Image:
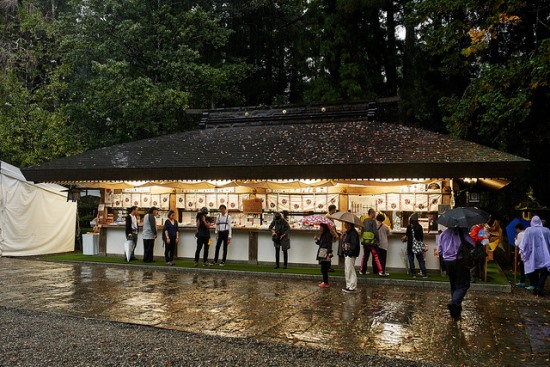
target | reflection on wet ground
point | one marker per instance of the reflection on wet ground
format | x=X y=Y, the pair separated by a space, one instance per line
x=497 y=329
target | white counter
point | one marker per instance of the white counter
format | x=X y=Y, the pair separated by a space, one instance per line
x=302 y=247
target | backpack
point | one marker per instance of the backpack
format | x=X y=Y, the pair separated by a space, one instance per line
x=367 y=238
x=469 y=255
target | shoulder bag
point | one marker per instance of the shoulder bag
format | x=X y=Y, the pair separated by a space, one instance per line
x=417 y=245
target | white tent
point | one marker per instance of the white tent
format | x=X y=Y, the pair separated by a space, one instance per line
x=35 y=219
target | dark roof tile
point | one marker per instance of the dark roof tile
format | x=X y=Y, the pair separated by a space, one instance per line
x=353 y=149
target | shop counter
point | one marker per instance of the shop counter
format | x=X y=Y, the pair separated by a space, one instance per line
x=253 y=245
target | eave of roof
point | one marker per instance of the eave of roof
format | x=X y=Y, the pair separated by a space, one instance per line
x=328 y=150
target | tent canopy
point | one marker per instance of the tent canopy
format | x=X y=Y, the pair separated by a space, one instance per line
x=34 y=218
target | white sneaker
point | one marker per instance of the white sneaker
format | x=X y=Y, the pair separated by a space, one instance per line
x=348 y=290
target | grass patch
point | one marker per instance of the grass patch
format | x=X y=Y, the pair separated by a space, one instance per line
x=494 y=273
x=189 y=264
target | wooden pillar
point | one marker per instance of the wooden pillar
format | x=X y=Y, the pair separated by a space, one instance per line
x=253 y=247
x=103 y=241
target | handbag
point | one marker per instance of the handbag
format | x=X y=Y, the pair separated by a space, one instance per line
x=417 y=245
x=322 y=254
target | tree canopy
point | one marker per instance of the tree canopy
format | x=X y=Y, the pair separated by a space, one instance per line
x=81 y=74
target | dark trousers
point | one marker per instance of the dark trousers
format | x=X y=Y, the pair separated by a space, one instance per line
x=170 y=250
x=202 y=241
x=325 y=266
x=148 y=246
x=459 y=277
x=421 y=263
x=223 y=237
x=537 y=279
x=277 y=255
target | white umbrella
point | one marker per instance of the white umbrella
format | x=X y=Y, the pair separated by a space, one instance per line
x=128 y=245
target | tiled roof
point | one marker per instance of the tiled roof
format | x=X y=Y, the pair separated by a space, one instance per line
x=348 y=149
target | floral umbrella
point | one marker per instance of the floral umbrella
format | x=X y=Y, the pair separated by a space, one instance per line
x=315 y=220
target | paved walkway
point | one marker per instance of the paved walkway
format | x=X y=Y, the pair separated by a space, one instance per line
x=498 y=329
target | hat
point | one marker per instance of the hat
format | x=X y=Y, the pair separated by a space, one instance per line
x=204 y=210
x=414 y=216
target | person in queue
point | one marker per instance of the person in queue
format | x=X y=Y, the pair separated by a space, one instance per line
x=351 y=249
x=369 y=225
x=203 y=235
x=480 y=235
x=384 y=235
x=535 y=253
x=324 y=241
x=149 y=234
x=170 y=236
x=459 y=275
x=223 y=232
x=520 y=232
x=280 y=230
x=132 y=229
x=335 y=234
x=415 y=230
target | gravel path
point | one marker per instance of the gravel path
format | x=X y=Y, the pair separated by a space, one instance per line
x=29 y=338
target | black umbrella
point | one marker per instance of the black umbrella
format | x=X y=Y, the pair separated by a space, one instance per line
x=463 y=217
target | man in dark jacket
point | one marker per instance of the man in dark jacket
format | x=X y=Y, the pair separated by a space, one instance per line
x=132 y=229
x=351 y=250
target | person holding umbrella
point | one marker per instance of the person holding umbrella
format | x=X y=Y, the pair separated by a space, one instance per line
x=459 y=275
x=350 y=247
x=458 y=221
x=132 y=231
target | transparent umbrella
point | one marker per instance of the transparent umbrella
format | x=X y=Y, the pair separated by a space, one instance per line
x=347 y=217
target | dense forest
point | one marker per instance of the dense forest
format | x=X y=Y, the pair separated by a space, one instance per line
x=81 y=74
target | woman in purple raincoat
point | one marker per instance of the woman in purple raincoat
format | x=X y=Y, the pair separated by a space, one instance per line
x=535 y=253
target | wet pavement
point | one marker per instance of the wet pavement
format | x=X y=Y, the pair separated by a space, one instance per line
x=498 y=329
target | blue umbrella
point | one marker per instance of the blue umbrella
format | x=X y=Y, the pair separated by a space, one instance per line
x=511 y=230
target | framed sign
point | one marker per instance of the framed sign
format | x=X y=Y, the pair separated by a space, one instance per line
x=473 y=197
